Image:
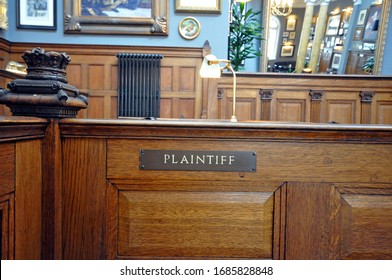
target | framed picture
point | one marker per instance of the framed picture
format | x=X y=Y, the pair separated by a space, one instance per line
x=285 y=34
x=206 y=6
x=284 y=41
x=292 y=35
x=372 y=23
x=336 y=60
x=333 y=25
x=3 y=15
x=362 y=17
x=137 y=17
x=189 y=28
x=36 y=14
x=290 y=25
x=287 y=51
x=358 y=33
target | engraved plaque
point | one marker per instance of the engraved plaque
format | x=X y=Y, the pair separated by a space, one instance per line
x=184 y=160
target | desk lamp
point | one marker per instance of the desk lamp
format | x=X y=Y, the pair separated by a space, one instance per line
x=211 y=69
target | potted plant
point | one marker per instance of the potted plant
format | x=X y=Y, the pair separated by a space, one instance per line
x=245 y=28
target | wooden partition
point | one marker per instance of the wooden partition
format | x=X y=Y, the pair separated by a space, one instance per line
x=86 y=189
x=21 y=187
x=344 y=99
x=317 y=191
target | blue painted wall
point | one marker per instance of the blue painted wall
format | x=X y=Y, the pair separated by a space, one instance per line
x=213 y=29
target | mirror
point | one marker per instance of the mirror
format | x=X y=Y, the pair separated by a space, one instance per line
x=344 y=46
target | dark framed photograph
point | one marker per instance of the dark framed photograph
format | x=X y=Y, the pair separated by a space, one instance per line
x=372 y=24
x=333 y=25
x=358 y=33
x=206 y=6
x=36 y=14
x=189 y=28
x=362 y=17
x=148 y=17
x=287 y=51
x=336 y=60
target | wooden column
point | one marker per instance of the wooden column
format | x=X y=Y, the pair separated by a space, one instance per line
x=265 y=97
x=366 y=106
x=315 y=105
x=51 y=193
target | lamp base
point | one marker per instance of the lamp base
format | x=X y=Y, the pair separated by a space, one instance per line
x=233 y=119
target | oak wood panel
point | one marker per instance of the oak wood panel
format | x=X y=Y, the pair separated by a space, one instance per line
x=337 y=89
x=84 y=198
x=368 y=228
x=28 y=203
x=384 y=112
x=7 y=224
x=7 y=168
x=305 y=157
x=93 y=70
x=195 y=224
x=312 y=221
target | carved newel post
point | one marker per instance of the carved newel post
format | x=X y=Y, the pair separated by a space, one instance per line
x=45 y=91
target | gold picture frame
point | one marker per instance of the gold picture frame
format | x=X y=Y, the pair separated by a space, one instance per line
x=3 y=15
x=191 y=6
x=99 y=19
x=189 y=28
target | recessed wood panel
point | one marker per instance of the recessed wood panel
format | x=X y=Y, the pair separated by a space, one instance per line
x=341 y=111
x=96 y=77
x=28 y=200
x=195 y=224
x=166 y=108
x=83 y=212
x=7 y=168
x=114 y=77
x=368 y=227
x=96 y=107
x=384 y=112
x=74 y=77
x=300 y=161
x=290 y=110
x=187 y=109
x=187 y=79
x=166 y=78
x=245 y=109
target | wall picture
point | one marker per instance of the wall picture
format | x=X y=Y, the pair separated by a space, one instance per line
x=36 y=14
x=290 y=25
x=362 y=17
x=189 y=28
x=336 y=60
x=149 y=17
x=372 y=24
x=192 y=6
x=287 y=51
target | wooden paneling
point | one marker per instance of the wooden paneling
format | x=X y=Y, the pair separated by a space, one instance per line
x=289 y=97
x=355 y=221
x=7 y=227
x=7 y=168
x=83 y=211
x=195 y=224
x=93 y=70
x=28 y=204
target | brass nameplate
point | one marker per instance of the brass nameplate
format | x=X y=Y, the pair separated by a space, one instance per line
x=232 y=161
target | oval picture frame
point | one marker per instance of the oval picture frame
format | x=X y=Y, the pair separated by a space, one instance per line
x=189 y=28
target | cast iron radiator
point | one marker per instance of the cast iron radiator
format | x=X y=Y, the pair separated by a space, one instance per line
x=139 y=85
